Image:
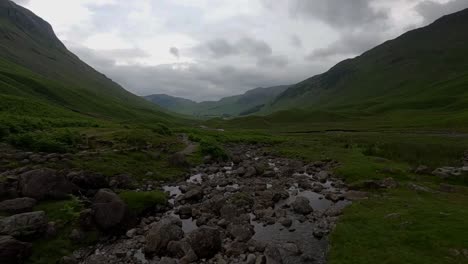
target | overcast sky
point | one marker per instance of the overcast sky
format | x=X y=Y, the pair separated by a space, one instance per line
x=207 y=49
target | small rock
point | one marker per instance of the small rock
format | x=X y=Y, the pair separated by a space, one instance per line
x=302 y=205
x=286 y=222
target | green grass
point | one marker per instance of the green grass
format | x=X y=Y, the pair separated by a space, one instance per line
x=427 y=228
x=430 y=226
x=139 y=202
x=65 y=214
x=364 y=156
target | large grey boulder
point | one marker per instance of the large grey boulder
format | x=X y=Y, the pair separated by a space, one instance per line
x=24 y=225
x=18 y=205
x=13 y=251
x=109 y=210
x=167 y=230
x=205 y=242
x=302 y=206
x=45 y=183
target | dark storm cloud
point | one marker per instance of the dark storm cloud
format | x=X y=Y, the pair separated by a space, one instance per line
x=245 y=46
x=337 y=13
x=174 y=51
x=431 y=10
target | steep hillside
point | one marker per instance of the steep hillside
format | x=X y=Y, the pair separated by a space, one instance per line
x=426 y=68
x=250 y=102
x=37 y=69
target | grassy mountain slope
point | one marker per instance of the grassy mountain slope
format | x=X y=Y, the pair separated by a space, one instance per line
x=426 y=68
x=36 y=68
x=250 y=102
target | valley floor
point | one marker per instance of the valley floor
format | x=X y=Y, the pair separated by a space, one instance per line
x=368 y=197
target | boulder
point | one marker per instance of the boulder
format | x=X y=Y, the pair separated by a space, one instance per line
x=322 y=176
x=205 y=242
x=13 y=251
x=240 y=232
x=18 y=205
x=167 y=230
x=122 y=181
x=194 y=194
x=45 y=183
x=24 y=225
x=250 y=172
x=185 y=212
x=302 y=206
x=286 y=222
x=273 y=255
x=88 y=181
x=109 y=211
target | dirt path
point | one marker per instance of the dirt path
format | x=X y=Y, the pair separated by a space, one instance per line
x=191 y=147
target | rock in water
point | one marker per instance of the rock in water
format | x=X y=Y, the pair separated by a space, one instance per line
x=45 y=183
x=241 y=232
x=205 y=241
x=13 y=251
x=24 y=225
x=302 y=206
x=167 y=230
x=17 y=206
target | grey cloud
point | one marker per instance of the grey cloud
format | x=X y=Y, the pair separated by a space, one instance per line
x=199 y=82
x=125 y=53
x=431 y=10
x=221 y=48
x=337 y=13
x=273 y=61
x=245 y=46
x=174 y=51
x=296 y=41
x=106 y=58
x=349 y=44
x=22 y=2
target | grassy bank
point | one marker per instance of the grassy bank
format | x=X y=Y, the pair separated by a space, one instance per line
x=400 y=225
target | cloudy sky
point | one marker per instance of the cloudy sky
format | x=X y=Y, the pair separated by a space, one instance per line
x=207 y=49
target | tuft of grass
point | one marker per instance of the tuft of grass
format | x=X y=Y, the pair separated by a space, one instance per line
x=139 y=202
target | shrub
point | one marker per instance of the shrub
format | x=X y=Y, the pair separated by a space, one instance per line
x=210 y=147
x=61 y=141
x=162 y=129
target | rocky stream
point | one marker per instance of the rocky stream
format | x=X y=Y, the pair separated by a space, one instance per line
x=256 y=209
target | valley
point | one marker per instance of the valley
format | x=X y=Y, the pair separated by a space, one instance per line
x=365 y=163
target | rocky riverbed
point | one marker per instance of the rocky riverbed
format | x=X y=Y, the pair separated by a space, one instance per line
x=257 y=208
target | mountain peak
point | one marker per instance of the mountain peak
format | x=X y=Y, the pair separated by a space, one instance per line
x=28 y=23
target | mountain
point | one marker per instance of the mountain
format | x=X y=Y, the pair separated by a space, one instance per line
x=38 y=72
x=424 y=69
x=250 y=102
